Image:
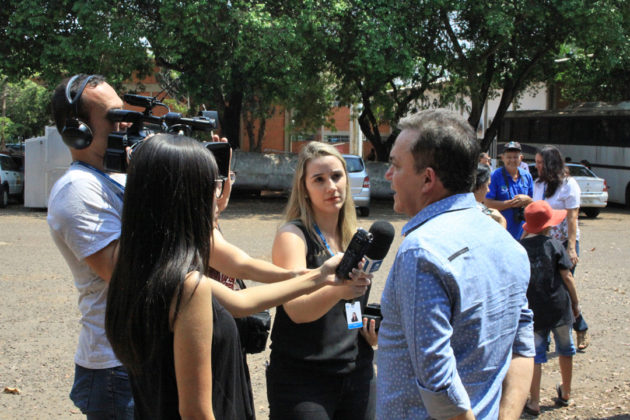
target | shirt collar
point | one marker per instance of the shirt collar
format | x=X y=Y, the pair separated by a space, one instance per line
x=450 y=203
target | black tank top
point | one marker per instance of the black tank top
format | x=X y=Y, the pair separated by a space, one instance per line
x=155 y=391
x=325 y=345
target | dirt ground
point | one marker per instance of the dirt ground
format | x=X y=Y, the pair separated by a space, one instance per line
x=39 y=315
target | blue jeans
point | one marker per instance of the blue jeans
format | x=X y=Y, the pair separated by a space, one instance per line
x=564 y=342
x=102 y=393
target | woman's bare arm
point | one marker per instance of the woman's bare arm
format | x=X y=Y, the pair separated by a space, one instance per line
x=192 y=348
x=289 y=251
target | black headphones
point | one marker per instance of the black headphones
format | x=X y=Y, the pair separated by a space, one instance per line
x=75 y=133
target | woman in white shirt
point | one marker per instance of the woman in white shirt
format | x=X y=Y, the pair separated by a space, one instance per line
x=562 y=192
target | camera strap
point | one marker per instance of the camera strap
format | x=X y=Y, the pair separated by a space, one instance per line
x=507 y=181
x=120 y=189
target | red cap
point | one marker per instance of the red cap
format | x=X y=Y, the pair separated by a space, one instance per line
x=539 y=215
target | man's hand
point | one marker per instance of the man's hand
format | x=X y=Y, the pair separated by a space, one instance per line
x=519 y=200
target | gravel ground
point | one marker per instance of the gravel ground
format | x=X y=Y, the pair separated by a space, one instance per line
x=39 y=328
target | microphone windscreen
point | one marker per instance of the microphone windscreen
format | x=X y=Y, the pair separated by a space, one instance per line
x=382 y=238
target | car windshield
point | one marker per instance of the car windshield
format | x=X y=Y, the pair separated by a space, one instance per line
x=354 y=164
x=576 y=170
x=8 y=164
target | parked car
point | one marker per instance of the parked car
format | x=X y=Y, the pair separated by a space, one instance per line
x=359 y=184
x=11 y=180
x=594 y=189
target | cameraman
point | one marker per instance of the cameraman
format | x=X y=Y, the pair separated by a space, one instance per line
x=511 y=189
x=84 y=215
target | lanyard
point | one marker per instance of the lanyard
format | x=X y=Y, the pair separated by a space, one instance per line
x=121 y=189
x=321 y=236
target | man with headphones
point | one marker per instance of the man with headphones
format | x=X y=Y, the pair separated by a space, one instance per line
x=84 y=216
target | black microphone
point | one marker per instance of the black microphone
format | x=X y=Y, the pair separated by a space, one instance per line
x=372 y=245
x=354 y=253
x=382 y=238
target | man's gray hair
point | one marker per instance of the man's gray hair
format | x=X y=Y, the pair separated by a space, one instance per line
x=447 y=143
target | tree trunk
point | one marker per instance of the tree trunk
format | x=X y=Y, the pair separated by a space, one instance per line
x=3 y=90
x=478 y=100
x=249 y=128
x=261 y=134
x=506 y=99
x=369 y=127
x=231 y=121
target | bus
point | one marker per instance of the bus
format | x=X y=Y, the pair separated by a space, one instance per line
x=597 y=134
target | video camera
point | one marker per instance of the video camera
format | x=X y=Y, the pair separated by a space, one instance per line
x=145 y=123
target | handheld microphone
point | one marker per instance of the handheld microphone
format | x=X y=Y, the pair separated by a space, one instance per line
x=357 y=248
x=372 y=245
x=382 y=238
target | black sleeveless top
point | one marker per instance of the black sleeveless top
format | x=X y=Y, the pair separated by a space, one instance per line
x=155 y=391
x=325 y=345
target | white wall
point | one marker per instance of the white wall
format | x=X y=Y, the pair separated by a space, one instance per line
x=46 y=159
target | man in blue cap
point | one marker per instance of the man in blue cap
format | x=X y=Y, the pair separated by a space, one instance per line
x=511 y=189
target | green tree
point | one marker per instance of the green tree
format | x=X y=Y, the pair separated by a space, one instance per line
x=596 y=65
x=509 y=45
x=232 y=56
x=56 y=38
x=25 y=111
x=383 y=54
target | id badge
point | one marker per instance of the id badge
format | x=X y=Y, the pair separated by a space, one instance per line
x=353 y=315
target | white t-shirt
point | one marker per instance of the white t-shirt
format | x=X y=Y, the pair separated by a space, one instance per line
x=566 y=197
x=84 y=216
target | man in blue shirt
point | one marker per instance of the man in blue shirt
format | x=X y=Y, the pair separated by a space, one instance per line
x=511 y=189
x=454 y=305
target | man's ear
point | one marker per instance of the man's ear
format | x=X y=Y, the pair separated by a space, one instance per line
x=432 y=183
x=428 y=177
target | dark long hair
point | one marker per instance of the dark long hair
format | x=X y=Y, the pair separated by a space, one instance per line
x=553 y=171
x=167 y=225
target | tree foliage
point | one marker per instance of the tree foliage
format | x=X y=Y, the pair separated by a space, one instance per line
x=232 y=56
x=596 y=66
x=377 y=53
x=56 y=38
x=25 y=111
x=243 y=58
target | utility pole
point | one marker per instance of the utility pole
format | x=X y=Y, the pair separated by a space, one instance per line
x=3 y=84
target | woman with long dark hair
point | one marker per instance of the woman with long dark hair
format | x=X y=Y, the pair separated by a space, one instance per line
x=562 y=192
x=168 y=323
x=319 y=367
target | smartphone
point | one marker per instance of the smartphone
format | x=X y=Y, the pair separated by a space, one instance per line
x=221 y=152
x=373 y=311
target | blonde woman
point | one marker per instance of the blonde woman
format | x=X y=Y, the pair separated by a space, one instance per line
x=319 y=367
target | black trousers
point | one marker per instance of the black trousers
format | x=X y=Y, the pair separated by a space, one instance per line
x=295 y=394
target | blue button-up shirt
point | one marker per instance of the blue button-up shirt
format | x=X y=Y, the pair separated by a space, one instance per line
x=454 y=307
x=502 y=192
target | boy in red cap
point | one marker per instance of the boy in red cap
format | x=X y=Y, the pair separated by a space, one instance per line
x=552 y=297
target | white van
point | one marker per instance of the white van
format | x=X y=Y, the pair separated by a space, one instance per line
x=11 y=180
